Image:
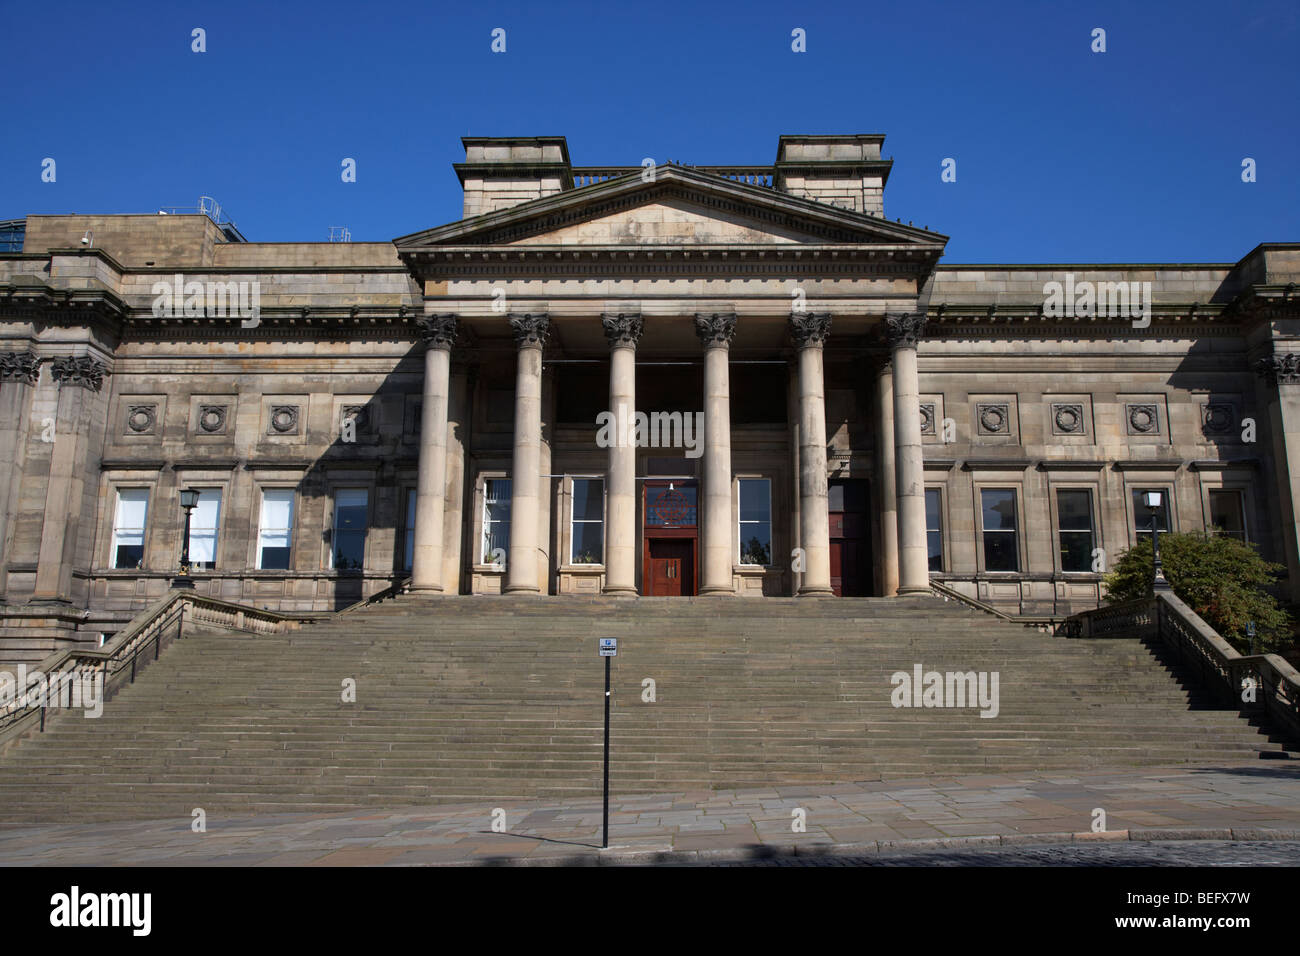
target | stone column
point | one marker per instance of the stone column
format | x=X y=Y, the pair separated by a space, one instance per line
x=431 y=482
x=888 y=480
x=525 y=475
x=19 y=371
x=793 y=431
x=453 y=504
x=810 y=330
x=80 y=378
x=623 y=331
x=904 y=332
x=717 y=531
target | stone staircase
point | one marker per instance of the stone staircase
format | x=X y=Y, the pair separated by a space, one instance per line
x=494 y=699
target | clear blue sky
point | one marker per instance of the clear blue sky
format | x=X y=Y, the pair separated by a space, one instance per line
x=1063 y=155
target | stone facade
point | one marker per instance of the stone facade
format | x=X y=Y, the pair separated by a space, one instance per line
x=869 y=419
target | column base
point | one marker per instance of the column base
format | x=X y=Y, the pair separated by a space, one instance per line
x=424 y=589
x=814 y=592
x=521 y=589
x=724 y=592
x=620 y=592
x=905 y=591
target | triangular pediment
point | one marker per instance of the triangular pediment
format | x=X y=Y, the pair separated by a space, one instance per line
x=680 y=206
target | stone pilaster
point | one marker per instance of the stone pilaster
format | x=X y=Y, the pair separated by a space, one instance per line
x=80 y=379
x=431 y=484
x=1281 y=371
x=623 y=330
x=530 y=330
x=19 y=371
x=904 y=331
x=810 y=330
x=717 y=531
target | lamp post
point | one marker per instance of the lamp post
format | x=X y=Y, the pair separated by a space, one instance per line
x=189 y=499
x=1152 y=500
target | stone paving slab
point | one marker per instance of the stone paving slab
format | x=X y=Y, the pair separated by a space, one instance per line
x=1244 y=803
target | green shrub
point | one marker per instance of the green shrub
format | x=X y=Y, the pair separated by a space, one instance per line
x=1220 y=578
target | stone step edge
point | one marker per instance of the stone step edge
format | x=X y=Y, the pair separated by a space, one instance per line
x=623 y=856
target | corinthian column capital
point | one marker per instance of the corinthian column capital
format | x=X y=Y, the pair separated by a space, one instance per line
x=622 y=328
x=904 y=329
x=1282 y=368
x=715 y=328
x=79 y=370
x=810 y=328
x=530 y=328
x=439 y=330
x=20 y=367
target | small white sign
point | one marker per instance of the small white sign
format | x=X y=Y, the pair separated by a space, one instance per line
x=609 y=647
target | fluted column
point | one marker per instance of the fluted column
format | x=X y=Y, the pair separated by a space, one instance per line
x=888 y=480
x=530 y=331
x=431 y=482
x=623 y=330
x=904 y=332
x=810 y=330
x=717 y=532
x=453 y=502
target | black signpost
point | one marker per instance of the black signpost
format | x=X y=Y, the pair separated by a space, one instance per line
x=608 y=649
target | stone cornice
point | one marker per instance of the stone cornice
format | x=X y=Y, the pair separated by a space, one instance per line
x=1150 y=464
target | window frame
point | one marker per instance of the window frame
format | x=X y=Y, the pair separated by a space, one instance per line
x=114 y=544
x=1094 y=531
x=1244 y=535
x=290 y=532
x=216 y=529
x=1017 y=537
x=335 y=533
x=1170 y=512
x=943 y=545
x=485 y=523
x=574 y=520
x=740 y=522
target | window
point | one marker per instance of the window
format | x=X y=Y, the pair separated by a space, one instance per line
x=496 y=521
x=1074 y=516
x=587 y=531
x=1001 y=549
x=410 y=529
x=755 y=521
x=934 y=527
x=1227 y=517
x=351 y=515
x=128 y=527
x=275 y=529
x=1142 y=514
x=205 y=519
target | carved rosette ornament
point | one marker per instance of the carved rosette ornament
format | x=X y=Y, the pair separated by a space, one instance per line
x=810 y=328
x=1143 y=420
x=927 y=418
x=622 y=328
x=993 y=418
x=1067 y=419
x=212 y=419
x=530 y=328
x=439 y=330
x=20 y=367
x=140 y=419
x=1280 y=369
x=904 y=329
x=715 y=328
x=284 y=419
x=79 y=370
x=1216 y=418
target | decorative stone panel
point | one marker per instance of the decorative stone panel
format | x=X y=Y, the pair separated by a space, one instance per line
x=1067 y=418
x=1142 y=419
x=927 y=418
x=212 y=419
x=1217 y=418
x=993 y=418
x=141 y=419
x=283 y=420
x=359 y=414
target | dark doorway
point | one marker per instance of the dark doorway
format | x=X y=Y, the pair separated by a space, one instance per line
x=850 y=537
x=671 y=527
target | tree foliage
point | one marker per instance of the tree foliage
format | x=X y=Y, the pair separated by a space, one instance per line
x=1220 y=578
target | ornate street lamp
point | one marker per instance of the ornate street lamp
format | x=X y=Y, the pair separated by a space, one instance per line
x=1152 y=500
x=189 y=499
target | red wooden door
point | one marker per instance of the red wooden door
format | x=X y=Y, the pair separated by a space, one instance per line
x=671 y=568
x=850 y=538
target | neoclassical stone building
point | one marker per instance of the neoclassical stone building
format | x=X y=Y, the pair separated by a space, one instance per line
x=670 y=380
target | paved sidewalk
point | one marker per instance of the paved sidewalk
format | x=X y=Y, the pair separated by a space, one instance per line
x=1249 y=802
